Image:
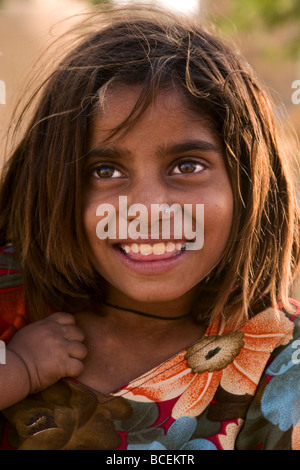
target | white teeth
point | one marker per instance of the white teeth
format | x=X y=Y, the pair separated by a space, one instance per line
x=156 y=249
x=145 y=249
x=135 y=248
x=159 y=248
x=171 y=247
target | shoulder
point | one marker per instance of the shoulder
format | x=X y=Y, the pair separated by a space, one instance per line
x=294 y=315
x=292 y=337
x=273 y=419
x=12 y=300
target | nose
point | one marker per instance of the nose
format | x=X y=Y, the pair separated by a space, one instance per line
x=149 y=200
x=149 y=190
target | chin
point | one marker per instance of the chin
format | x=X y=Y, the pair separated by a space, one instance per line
x=153 y=295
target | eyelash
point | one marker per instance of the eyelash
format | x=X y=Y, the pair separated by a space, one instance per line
x=190 y=161
x=94 y=172
x=182 y=162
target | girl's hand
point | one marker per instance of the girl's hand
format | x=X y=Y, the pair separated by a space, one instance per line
x=50 y=349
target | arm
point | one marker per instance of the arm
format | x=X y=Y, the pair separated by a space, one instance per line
x=39 y=355
x=14 y=380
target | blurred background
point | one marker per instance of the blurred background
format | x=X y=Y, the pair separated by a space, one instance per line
x=267 y=32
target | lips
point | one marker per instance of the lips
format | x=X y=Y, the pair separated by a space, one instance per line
x=150 y=257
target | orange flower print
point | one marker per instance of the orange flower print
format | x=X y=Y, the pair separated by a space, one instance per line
x=262 y=334
x=235 y=360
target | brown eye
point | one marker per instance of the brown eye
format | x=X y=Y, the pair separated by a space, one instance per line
x=188 y=167
x=106 y=172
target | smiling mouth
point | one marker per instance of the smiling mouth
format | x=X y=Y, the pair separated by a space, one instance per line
x=153 y=252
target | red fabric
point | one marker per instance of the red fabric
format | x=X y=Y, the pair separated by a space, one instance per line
x=12 y=300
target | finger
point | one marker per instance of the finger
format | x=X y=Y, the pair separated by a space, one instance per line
x=77 y=350
x=73 y=333
x=75 y=368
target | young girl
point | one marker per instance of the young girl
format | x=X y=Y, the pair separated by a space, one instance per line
x=117 y=342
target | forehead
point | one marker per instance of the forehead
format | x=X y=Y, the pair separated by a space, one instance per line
x=169 y=110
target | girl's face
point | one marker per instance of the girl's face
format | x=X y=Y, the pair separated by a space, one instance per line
x=170 y=156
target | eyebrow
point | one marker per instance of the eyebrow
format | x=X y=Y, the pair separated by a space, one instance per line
x=111 y=152
x=107 y=152
x=198 y=144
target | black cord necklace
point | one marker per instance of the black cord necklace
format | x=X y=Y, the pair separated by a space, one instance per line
x=143 y=313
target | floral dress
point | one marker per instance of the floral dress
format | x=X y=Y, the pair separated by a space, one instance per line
x=230 y=390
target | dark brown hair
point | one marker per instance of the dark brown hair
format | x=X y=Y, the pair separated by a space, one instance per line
x=42 y=188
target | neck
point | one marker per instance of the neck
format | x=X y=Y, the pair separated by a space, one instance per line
x=145 y=314
x=183 y=331
x=117 y=304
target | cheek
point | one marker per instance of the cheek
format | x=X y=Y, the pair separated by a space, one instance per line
x=218 y=214
x=95 y=246
x=90 y=224
x=90 y=219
